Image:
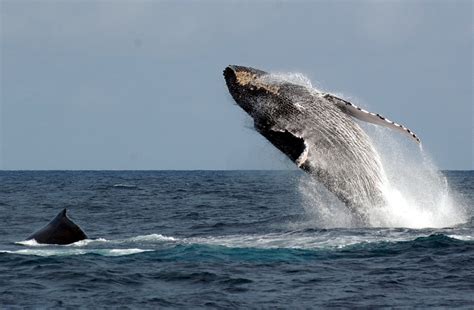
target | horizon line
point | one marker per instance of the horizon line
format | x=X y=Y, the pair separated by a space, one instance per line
x=171 y=170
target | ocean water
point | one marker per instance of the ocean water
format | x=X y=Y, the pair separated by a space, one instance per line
x=223 y=239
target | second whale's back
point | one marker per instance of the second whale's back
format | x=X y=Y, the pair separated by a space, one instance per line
x=61 y=230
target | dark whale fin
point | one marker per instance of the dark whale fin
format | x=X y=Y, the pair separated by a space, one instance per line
x=61 y=230
x=369 y=117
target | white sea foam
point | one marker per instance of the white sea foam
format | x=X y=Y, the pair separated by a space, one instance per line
x=462 y=237
x=306 y=240
x=122 y=252
x=151 y=238
x=86 y=242
x=69 y=252
x=30 y=242
x=294 y=240
x=331 y=239
x=81 y=243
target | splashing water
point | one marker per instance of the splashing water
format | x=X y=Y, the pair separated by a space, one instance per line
x=293 y=78
x=417 y=196
x=416 y=193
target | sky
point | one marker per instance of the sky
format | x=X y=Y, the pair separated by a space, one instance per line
x=139 y=85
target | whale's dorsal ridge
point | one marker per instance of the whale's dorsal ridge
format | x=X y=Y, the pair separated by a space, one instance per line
x=62 y=214
x=60 y=230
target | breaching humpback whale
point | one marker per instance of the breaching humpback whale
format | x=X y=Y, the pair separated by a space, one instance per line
x=61 y=230
x=317 y=132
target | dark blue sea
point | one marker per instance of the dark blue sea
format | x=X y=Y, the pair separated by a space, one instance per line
x=219 y=239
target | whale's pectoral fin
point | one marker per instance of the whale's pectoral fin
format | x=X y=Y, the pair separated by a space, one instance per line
x=367 y=116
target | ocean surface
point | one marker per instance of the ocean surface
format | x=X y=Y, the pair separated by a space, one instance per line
x=220 y=239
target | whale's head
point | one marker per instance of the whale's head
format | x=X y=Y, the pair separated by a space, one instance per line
x=247 y=88
x=270 y=105
x=255 y=92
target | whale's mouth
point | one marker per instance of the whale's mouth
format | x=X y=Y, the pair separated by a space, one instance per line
x=290 y=144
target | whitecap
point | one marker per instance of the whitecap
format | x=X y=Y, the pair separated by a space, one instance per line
x=151 y=238
x=85 y=242
x=329 y=240
x=72 y=252
x=462 y=237
x=30 y=242
x=80 y=243
x=128 y=186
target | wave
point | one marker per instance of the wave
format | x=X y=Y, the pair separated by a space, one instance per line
x=125 y=186
x=88 y=242
x=307 y=240
x=311 y=242
x=265 y=248
x=85 y=242
x=69 y=252
x=151 y=237
x=461 y=237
